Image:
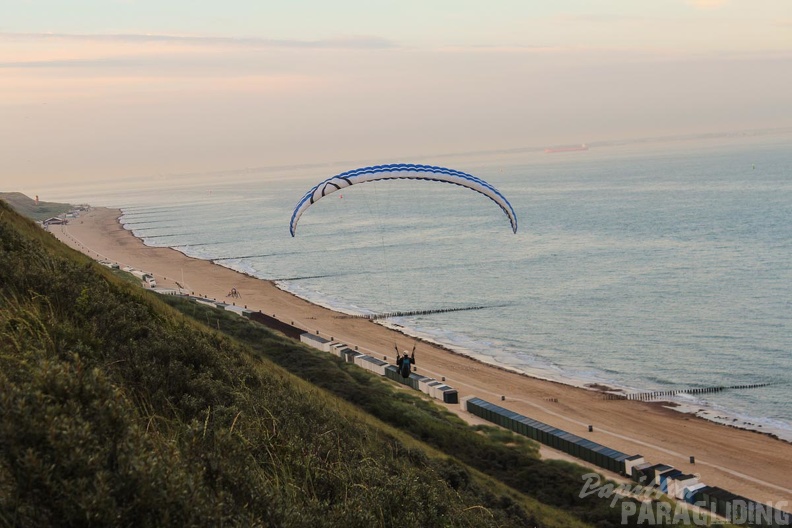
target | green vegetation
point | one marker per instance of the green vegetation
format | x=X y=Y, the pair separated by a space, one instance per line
x=118 y=410
x=506 y=456
x=27 y=206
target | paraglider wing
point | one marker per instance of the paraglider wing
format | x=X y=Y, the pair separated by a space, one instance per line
x=401 y=171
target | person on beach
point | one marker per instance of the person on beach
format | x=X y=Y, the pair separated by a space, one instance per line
x=405 y=362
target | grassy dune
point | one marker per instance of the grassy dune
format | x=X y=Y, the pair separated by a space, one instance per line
x=119 y=410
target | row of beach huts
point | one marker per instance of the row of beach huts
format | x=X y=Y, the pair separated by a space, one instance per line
x=430 y=386
x=672 y=482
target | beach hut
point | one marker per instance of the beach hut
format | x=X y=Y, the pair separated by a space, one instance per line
x=328 y=345
x=450 y=396
x=688 y=493
x=654 y=472
x=349 y=355
x=676 y=484
x=474 y=405
x=666 y=478
x=614 y=460
x=336 y=348
x=640 y=473
x=314 y=341
x=728 y=503
x=530 y=427
x=417 y=381
x=391 y=372
x=695 y=494
x=587 y=450
x=698 y=496
x=709 y=497
x=524 y=426
x=360 y=361
x=430 y=387
x=371 y=364
x=631 y=462
x=564 y=440
x=500 y=415
x=621 y=459
x=553 y=439
x=598 y=452
x=436 y=391
x=423 y=384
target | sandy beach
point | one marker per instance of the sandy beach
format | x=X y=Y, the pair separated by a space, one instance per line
x=751 y=464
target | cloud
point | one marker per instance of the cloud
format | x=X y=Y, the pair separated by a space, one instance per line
x=160 y=55
x=349 y=42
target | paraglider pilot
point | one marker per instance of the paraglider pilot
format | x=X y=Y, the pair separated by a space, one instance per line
x=405 y=362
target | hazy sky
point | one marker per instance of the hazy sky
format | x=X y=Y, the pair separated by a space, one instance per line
x=101 y=89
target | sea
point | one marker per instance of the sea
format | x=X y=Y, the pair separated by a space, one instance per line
x=657 y=265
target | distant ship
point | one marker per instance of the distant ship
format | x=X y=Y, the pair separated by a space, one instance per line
x=566 y=148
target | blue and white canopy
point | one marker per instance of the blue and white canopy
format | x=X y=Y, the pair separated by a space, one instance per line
x=397 y=171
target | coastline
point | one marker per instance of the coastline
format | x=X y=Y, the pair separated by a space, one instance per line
x=754 y=465
x=604 y=388
x=689 y=409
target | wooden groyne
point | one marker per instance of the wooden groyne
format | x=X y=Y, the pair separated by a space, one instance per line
x=171 y=235
x=386 y=315
x=304 y=277
x=659 y=395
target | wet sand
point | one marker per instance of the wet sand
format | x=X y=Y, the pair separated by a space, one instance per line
x=747 y=463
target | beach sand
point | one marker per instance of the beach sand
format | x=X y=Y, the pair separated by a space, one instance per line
x=747 y=463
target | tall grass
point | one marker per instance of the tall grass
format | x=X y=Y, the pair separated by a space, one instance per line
x=117 y=411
